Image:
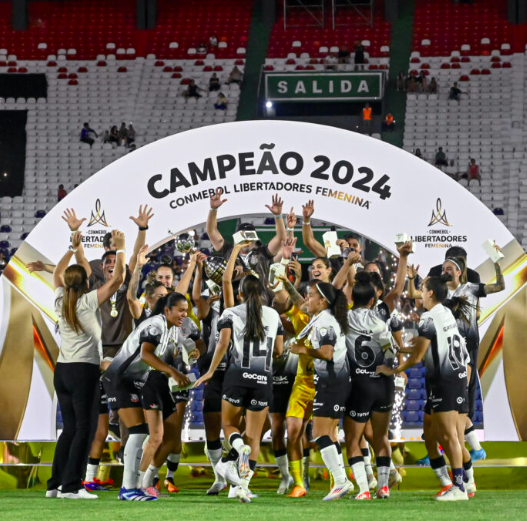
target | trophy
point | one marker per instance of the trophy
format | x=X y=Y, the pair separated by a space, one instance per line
x=214 y=266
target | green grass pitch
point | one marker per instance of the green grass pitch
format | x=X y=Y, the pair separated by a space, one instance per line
x=192 y=504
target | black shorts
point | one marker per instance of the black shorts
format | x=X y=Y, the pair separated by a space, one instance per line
x=330 y=397
x=213 y=392
x=156 y=395
x=103 y=399
x=280 y=398
x=180 y=396
x=472 y=388
x=122 y=394
x=370 y=394
x=250 y=398
x=449 y=395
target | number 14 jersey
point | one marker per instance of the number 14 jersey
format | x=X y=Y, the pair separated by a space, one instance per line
x=250 y=362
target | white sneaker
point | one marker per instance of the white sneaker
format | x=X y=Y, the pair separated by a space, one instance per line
x=243 y=461
x=286 y=482
x=241 y=495
x=453 y=494
x=471 y=489
x=339 y=491
x=228 y=471
x=217 y=487
x=372 y=482
x=394 y=479
x=80 y=494
x=232 y=493
x=52 y=493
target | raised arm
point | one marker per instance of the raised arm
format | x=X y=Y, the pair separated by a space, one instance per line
x=145 y=214
x=216 y=238
x=74 y=224
x=40 y=266
x=105 y=292
x=186 y=279
x=308 y=237
x=228 y=291
x=290 y=232
x=136 y=308
x=343 y=274
x=400 y=278
x=60 y=268
x=202 y=304
x=275 y=244
x=412 y=292
x=499 y=285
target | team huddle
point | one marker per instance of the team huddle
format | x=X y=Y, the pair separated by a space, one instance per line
x=303 y=350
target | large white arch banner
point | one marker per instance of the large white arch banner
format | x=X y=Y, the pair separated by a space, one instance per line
x=357 y=182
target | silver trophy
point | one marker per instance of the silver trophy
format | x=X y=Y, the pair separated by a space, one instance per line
x=214 y=266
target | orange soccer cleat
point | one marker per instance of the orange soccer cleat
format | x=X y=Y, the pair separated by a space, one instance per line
x=171 y=486
x=297 y=491
x=443 y=490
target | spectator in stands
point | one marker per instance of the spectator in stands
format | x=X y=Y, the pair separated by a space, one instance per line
x=389 y=122
x=114 y=135
x=331 y=62
x=214 y=83
x=221 y=102
x=455 y=92
x=423 y=81
x=106 y=137
x=412 y=84
x=202 y=48
x=123 y=135
x=432 y=86
x=61 y=193
x=87 y=134
x=359 y=57
x=131 y=134
x=235 y=76
x=366 y=119
x=473 y=172
x=193 y=90
x=401 y=81
x=418 y=154
x=344 y=54
x=213 y=41
x=440 y=159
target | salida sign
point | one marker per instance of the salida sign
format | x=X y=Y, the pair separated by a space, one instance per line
x=319 y=86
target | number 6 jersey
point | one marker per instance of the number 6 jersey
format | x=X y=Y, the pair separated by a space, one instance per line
x=447 y=356
x=250 y=362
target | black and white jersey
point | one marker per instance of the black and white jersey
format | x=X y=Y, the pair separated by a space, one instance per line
x=322 y=330
x=181 y=338
x=472 y=292
x=210 y=337
x=127 y=364
x=392 y=319
x=285 y=367
x=250 y=362
x=447 y=356
x=369 y=342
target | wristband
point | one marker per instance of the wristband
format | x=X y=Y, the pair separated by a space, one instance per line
x=306 y=224
x=289 y=229
x=278 y=216
x=121 y=251
x=284 y=261
x=143 y=228
x=73 y=232
x=72 y=249
x=213 y=210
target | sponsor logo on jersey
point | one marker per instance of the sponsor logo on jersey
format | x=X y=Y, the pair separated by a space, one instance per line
x=260 y=378
x=364 y=371
x=462 y=375
x=280 y=380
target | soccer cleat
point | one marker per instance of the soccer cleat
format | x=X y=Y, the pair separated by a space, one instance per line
x=443 y=490
x=453 y=494
x=243 y=461
x=363 y=495
x=241 y=495
x=423 y=462
x=383 y=493
x=394 y=479
x=471 y=489
x=285 y=483
x=297 y=491
x=228 y=471
x=171 y=486
x=79 y=494
x=134 y=494
x=372 y=482
x=339 y=491
x=306 y=479
x=94 y=486
x=232 y=493
x=52 y=493
x=107 y=483
x=216 y=488
x=157 y=483
x=476 y=455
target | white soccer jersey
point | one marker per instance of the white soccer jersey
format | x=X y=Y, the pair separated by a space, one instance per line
x=369 y=341
x=250 y=362
x=447 y=356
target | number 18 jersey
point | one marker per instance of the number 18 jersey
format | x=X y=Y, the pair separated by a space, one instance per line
x=447 y=356
x=250 y=362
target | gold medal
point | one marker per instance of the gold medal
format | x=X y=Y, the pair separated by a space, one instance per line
x=114 y=313
x=113 y=301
